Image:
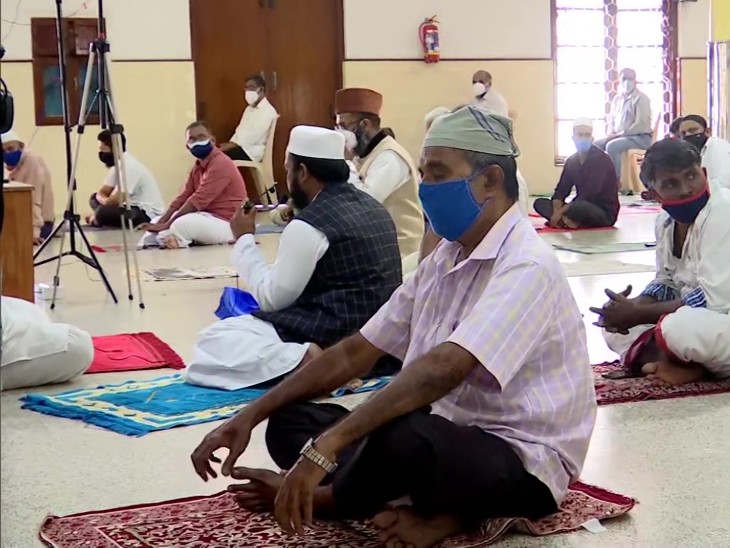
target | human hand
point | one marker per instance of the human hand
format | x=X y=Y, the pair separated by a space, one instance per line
x=294 y=503
x=287 y=214
x=556 y=220
x=234 y=435
x=244 y=221
x=154 y=227
x=37 y=240
x=226 y=146
x=617 y=315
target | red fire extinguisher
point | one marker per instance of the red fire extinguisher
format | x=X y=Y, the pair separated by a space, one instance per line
x=428 y=33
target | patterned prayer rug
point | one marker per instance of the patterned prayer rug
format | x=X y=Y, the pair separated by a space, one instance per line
x=611 y=247
x=132 y=352
x=136 y=408
x=641 y=389
x=217 y=522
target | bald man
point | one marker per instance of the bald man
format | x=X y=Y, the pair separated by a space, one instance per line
x=485 y=97
x=629 y=122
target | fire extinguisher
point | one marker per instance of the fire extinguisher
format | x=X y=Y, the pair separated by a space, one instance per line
x=428 y=33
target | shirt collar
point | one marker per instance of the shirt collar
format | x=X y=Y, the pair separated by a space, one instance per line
x=206 y=161
x=492 y=242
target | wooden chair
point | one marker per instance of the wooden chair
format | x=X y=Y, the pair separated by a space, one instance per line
x=631 y=164
x=263 y=171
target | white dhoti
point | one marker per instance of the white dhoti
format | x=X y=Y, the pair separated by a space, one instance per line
x=199 y=227
x=241 y=352
x=52 y=368
x=695 y=335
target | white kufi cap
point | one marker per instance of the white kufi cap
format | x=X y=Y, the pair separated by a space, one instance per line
x=10 y=136
x=317 y=142
x=583 y=122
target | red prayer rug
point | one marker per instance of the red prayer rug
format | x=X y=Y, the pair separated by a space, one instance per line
x=217 y=522
x=132 y=352
x=642 y=389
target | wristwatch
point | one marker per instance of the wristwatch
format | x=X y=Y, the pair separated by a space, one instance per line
x=310 y=453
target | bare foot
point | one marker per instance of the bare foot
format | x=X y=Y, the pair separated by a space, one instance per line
x=259 y=493
x=170 y=242
x=667 y=374
x=402 y=527
x=91 y=219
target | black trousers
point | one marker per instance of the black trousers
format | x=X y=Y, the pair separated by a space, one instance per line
x=237 y=153
x=111 y=215
x=445 y=469
x=585 y=214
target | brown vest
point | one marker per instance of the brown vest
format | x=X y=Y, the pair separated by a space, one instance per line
x=403 y=204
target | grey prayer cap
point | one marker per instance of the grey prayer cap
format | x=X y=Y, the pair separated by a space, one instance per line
x=474 y=129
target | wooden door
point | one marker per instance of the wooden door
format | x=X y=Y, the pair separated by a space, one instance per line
x=299 y=47
x=229 y=44
x=306 y=54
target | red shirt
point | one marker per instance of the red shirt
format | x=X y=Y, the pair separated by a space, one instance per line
x=214 y=186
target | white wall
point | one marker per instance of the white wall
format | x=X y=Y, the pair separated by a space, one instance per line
x=137 y=29
x=470 y=29
x=694 y=28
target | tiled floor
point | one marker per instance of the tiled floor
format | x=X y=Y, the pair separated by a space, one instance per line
x=671 y=455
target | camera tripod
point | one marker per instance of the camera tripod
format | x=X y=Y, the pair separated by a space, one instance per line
x=103 y=100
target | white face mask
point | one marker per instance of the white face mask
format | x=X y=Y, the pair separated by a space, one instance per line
x=251 y=97
x=204 y=142
x=350 y=139
x=628 y=86
x=479 y=89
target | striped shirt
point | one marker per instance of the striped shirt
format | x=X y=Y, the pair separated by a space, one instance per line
x=509 y=304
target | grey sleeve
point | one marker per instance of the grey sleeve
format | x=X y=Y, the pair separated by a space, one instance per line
x=642 y=124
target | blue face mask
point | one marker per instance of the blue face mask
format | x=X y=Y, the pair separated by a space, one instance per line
x=450 y=206
x=686 y=211
x=201 y=149
x=12 y=159
x=582 y=145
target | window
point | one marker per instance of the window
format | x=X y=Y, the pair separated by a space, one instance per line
x=78 y=34
x=593 y=41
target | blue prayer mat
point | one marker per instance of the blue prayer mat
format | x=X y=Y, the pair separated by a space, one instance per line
x=136 y=408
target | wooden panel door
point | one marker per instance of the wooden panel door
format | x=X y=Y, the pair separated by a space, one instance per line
x=229 y=44
x=306 y=51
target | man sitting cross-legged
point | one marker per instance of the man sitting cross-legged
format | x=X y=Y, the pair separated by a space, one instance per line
x=494 y=408
x=678 y=330
x=338 y=262
x=201 y=212
x=590 y=172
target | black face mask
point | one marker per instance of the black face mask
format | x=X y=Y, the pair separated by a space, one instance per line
x=698 y=140
x=107 y=158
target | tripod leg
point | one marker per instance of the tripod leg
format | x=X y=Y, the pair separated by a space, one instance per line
x=121 y=173
x=94 y=262
x=57 y=277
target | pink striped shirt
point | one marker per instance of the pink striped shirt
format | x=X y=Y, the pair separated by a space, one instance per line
x=508 y=304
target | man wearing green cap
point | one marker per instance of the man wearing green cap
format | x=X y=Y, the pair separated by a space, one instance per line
x=493 y=410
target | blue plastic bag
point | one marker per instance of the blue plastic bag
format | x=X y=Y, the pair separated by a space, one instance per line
x=236 y=302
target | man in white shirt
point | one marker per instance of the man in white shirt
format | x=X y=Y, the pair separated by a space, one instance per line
x=248 y=142
x=676 y=331
x=36 y=351
x=144 y=201
x=386 y=170
x=485 y=96
x=714 y=150
x=337 y=263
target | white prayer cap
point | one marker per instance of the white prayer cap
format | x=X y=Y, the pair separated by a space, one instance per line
x=316 y=142
x=10 y=136
x=434 y=115
x=583 y=122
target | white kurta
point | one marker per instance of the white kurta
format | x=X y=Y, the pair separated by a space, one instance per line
x=493 y=101
x=36 y=351
x=700 y=330
x=245 y=351
x=387 y=174
x=199 y=227
x=252 y=132
x=716 y=160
